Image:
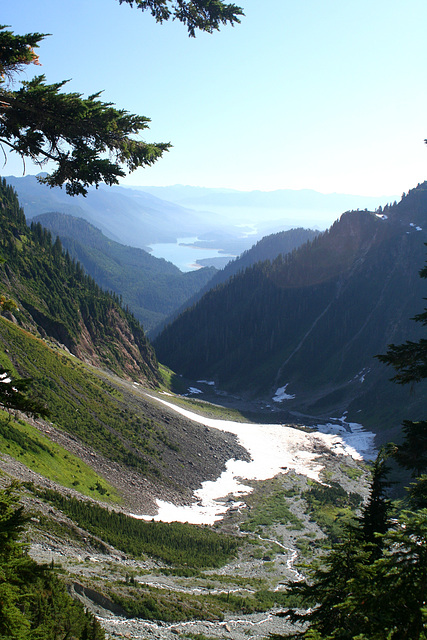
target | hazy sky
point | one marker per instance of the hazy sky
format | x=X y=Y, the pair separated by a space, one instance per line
x=316 y=94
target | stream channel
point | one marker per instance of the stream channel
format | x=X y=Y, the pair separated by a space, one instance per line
x=274 y=449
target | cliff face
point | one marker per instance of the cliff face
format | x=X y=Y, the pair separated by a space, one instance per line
x=56 y=300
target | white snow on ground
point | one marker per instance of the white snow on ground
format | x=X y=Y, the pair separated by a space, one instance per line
x=282 y=395
x=273 y=449
x=211 y=383
x=194 y=390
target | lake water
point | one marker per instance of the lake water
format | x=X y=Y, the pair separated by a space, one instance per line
x=274 y=449
x=184 y=256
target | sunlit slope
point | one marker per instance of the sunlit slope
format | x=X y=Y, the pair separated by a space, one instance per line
x=56 y=299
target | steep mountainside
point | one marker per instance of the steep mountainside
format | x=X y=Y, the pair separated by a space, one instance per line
x=106 y=438
x=315 y=319
x=268 y=248
x=152 y=287
x=57 y=300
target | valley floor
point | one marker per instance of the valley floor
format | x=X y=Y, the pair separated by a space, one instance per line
x=277 y=521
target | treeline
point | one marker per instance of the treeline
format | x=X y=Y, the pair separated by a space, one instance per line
x=174 y=543
x=57 y=299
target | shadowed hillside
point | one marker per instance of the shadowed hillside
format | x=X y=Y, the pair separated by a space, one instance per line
x=315 y=319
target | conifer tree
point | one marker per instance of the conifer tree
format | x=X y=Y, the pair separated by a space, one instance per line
x=89 y=141
x=34 y=604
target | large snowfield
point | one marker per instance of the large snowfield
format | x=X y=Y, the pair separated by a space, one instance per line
x=274 y=449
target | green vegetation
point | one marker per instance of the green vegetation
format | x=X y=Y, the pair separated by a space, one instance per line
x=331 y=506
x=56 y=299
x=33 y=601
x=170 y=606
x=151 y=287
x=269 y=507
x=85 y=404
x=208 y=409
x=174 y=543
x=24 y=442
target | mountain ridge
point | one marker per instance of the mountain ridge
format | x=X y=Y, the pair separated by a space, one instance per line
x=315 y=319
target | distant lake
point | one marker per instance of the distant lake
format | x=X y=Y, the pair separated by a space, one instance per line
x=184 y=256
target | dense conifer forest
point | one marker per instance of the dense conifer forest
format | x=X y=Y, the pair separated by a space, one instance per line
x=151 y=287
x=315 y=318
x=58 y=300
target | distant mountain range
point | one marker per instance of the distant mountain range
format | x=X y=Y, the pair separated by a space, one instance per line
x=314 y=320
x=293 y=207
x=227 y=220
x=129 y=216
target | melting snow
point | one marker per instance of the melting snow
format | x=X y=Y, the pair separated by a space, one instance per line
x=209 y=382
x=281 y=395
x=273 y=449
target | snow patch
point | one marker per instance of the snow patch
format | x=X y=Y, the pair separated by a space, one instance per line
x=194 y=390
x=209 y=382
x=273 y=449
x=282 y=395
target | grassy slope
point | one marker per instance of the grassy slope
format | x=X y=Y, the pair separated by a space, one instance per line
x=82 y=403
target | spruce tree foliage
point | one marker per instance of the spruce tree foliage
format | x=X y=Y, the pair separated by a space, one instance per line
x=15 y=395
x=203 y=15
x=34 y=604
x=89 y=141
x=375 y=516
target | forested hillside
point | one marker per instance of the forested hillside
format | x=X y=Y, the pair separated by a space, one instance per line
x=55 y=299
x=315 y=319
x=268 y=248
x=152 y=287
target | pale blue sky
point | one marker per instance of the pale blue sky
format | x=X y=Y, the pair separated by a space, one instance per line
x=316 y=94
